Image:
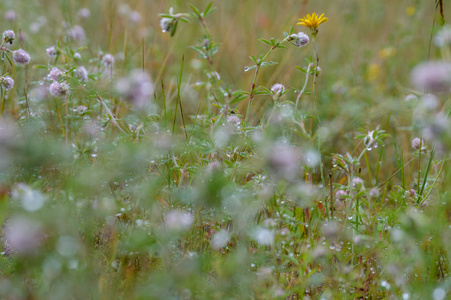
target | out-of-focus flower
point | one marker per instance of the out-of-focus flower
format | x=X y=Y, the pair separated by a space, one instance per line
x=55 y=74
x=84 y=13
x=220 y=240
x=108 y=60
x=82 y=73
x=434 y=76
x=77 y=33
x=178 y=220
x=136 y=88
x=8 y=37
x=59 y=89
x=443 y=37
x=23 y=236
x=7 y=82
x=357 y=182
x=21 y=57
x=52 y=52
x=263 y=236
x=418 y=143
x=10 y=15
x=234 y=120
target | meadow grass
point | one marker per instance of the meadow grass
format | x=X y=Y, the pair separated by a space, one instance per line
x=208 y=150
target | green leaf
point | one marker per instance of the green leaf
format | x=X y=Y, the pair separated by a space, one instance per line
x=265 y=41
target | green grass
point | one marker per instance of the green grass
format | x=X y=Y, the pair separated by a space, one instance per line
x=215 y=187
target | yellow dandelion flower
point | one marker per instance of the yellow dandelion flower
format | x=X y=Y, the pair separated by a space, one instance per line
x=313 y=21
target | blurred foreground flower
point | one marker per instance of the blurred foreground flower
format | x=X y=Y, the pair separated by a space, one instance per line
x=177 y=220
x=136 y=88
x=313 y=21
x=434 y=76
x=23 y=236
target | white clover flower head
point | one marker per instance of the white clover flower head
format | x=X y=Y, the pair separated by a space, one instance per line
x=8 y=37
x=21 y=57
x=108 y=60
x=84 y=13
x=10 y=15
x=52 y=52
x=177 y=220
x=443 y=37
x=278 y=89
x=234 y=120
x=55 y=74
x=166 y=24
x=418 y=143
x=80 y=109
x=82 y=73
x=7 y=82
x=374 y=192
x=77 y=33
x=300 y=39
x=433 y=76
x=357 y=182
x=77 y=55
x=340 y=194
x=136 y=88
x=59 y=89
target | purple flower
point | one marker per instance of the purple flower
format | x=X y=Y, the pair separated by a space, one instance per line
x=58 y=89
x=108 y=60
x=7 y=82
x=21 y=57
x=434 y=76
x=55 y=74
x=52 y=52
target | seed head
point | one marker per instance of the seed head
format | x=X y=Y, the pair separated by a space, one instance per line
x=21 y=57
x=7 y=82
x=8 y=37
x=58 y=89
x=108 y=60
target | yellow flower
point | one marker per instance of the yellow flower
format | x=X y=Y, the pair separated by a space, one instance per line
x=313 y=21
